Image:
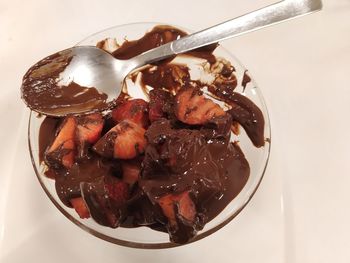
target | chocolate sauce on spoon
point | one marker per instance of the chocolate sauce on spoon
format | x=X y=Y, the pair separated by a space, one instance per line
x=42 y=91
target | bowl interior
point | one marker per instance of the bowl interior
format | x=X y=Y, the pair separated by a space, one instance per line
x=143 y=237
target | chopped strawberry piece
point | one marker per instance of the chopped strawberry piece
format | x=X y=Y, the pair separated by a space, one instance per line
x=131 y=172
x=90 y=128
x=105 y=198
x=124 y=141
x=118 y=191
x=80 y=207
x=167 y=204
x=193 y=108
x=160 y=104
x=62 y=150
x=235 y=128
x=155 y=112
x=186 y=209
x=50 y=173
x=130 y=140
x=134 y=110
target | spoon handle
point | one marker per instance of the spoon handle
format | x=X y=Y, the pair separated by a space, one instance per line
x=255 y=20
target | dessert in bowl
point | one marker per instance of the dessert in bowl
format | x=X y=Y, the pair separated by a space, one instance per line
x=176 y=159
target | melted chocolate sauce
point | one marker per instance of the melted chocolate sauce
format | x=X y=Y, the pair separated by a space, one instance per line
x=246 y=79
x=47 y=134
x=68 y=181
x=205 y=52
x=244 y=111
x=106 y=148
x=41 y=91
x=167 y=76
x=158 y=36
x=101 y=207
x=214 y=170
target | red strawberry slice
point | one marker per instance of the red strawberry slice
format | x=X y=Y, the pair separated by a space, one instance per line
x=130 y=140
x=131 y=172
x=90 y=128
x=88 y=132
x=155 y=112
x=118 y=191
x=105 y=198
x=80 y=207
x=193 y=108
x=167 y=204
x=159 y=104
x=126 y=140
x=62 y=150
x=134 y=110
x=186 y=209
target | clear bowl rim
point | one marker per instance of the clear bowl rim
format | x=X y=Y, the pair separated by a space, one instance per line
x=167 y=244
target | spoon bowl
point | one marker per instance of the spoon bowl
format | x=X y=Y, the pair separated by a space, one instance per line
x=94 y=67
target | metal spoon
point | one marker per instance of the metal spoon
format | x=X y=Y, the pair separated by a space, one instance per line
x=93 y=67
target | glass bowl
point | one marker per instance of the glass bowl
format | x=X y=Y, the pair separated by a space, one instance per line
x=144 y=237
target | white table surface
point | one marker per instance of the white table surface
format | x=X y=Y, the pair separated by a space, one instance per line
x=301 y=211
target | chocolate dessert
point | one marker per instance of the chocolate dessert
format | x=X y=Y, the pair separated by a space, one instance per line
x=168 y=163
